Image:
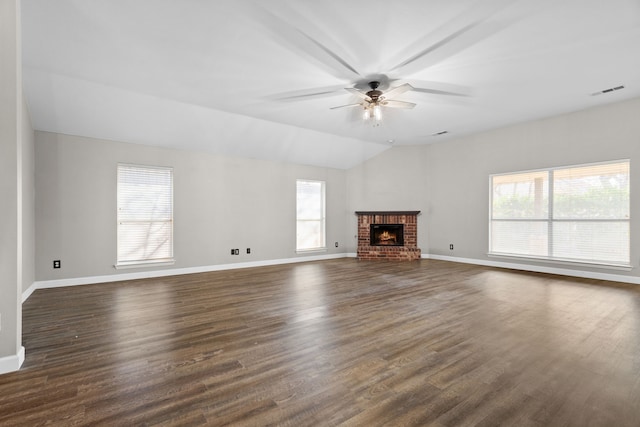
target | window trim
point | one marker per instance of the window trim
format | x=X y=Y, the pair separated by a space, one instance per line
x=144 y=262
x=559 y=261
x=139 y=264
x=323 y=218
x=550 y=221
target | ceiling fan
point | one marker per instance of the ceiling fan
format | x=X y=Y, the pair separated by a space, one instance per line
x=374 y=99
x=304 y=37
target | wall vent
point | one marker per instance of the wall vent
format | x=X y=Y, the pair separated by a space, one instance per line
x=611 y=89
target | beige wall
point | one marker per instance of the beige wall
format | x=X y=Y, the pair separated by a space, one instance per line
x=219 y=203
x=11 y=127
x=460 y=170
x=449 y=181
x=397 y=179
x=28 y=201
x=223 y=203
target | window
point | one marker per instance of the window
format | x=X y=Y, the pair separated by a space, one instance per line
x=579 y=213
x=310 y=227
x=145 y=215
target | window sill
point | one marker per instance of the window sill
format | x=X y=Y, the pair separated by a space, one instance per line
x=620 y=267
x=308 y=251
x=142 y=264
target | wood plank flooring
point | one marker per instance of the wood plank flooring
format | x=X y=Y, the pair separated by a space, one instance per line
x=340 y=342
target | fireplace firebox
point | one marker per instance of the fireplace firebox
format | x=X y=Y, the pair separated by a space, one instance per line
x=387 y=234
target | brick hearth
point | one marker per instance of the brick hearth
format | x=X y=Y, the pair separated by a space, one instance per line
x=408 y=252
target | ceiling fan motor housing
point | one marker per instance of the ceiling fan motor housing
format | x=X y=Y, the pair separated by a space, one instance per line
x=374 y=94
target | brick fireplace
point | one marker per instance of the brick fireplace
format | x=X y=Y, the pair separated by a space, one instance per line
x=389 y=235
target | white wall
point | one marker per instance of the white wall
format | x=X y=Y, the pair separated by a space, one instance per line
x=219 y=203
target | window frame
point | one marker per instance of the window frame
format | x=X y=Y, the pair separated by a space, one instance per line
x=121 y=261
x=322 y=220
x=551 y=221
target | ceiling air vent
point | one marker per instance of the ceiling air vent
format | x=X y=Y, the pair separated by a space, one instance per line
x=611 y=89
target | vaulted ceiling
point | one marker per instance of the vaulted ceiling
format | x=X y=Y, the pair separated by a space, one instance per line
x=258 y=78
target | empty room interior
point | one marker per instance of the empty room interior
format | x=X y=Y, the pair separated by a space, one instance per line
x=326 y=213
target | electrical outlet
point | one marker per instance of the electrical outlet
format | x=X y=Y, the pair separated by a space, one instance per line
x=248 y=250
x=451 y=246
x=336 y=244
x=56 y=263
x=233 y=252
x=236 y=251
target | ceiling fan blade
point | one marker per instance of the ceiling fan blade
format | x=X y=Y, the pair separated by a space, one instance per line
x=329 y=52
x=397 y=91
x=398 y=104
x=438 y=92
x=434 y=47
x=302 y=42
x=460 y=33
x=344 y=106
x=440 y=88
x=307 y=94
x=357 y=93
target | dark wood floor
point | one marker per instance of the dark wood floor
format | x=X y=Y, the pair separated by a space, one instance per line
x=340 y=342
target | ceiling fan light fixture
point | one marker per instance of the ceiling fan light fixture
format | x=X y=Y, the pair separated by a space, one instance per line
x=372 y=111
x=373 y=101
x=377 y=112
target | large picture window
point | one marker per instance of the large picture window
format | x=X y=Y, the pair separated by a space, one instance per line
x=310 y=215
x=578 y=213
x=145 y=215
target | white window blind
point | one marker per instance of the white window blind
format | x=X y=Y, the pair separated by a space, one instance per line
x=310 y=207
x=578 y=213
x=145 y=214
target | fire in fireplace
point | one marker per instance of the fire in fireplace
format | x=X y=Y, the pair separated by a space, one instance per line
x=387 y=234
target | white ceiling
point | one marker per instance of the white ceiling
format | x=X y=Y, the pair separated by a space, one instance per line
x=229 y=76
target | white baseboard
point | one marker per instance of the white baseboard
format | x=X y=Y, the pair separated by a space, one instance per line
x=44 y=284
x=540 y=269
x=12 y=363
x=76 y=281
x=26 y=294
